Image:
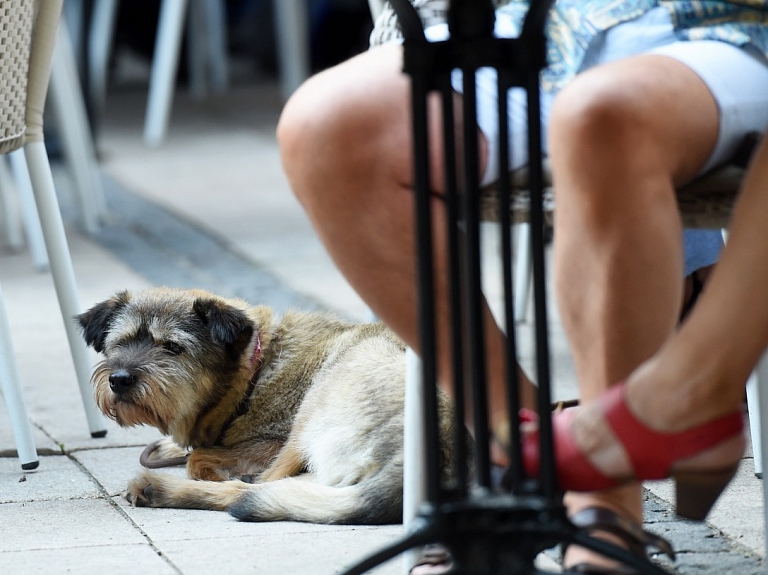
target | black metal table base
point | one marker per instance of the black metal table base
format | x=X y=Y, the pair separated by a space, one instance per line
x=499 y=535
x=487 y=531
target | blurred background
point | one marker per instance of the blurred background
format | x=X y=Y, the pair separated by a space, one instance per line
x=254 y=38
x=180 y=100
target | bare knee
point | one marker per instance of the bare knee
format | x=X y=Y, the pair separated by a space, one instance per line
x=308 y=120
x=307 y=129
x=610 y=150
x=342 y=122
x=596 y=123
x=648 y=116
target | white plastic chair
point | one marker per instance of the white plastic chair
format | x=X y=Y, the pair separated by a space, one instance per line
x=30 y=30
x=71 y=118
x=164 y=65
x=292 y=25
x=207 y=56
x=207 y=53
x=14 y=398
x=29 y=215
x=376 y=7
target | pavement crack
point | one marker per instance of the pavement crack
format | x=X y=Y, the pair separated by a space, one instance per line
x=42 y=451
x=110 y=499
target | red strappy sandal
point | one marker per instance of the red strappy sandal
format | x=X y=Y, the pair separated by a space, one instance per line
x=653 y=455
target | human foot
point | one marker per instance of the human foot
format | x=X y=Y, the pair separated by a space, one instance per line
x=434 y=560
x=605 y=523
x=604 y=445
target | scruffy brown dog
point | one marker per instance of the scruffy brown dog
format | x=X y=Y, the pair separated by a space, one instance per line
x=307 y=406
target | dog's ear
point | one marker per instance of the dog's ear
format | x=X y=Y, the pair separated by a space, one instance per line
x=228 y=325
x=95 y=322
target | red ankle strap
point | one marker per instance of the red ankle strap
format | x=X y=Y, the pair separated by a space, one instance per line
x=663 y=449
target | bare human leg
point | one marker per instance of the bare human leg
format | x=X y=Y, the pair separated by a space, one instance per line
x=346 y=146
x=622 y=136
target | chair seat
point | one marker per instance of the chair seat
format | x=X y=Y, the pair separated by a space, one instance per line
x=705 y=203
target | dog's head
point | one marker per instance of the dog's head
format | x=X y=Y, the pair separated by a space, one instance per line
x=169 y=355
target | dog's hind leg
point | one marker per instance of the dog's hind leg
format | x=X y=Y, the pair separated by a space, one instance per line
x=289 y=462
x=297 y=499
x=210 y=464
x=223 y=463
x=302 y=498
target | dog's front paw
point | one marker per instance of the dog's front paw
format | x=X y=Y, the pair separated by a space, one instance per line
x=141 y=491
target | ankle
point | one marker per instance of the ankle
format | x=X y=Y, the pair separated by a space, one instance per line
x=669 y=397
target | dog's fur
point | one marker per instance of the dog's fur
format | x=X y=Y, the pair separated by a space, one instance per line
x=320 y=432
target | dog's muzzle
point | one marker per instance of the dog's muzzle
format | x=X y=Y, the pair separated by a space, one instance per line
x=121 y=381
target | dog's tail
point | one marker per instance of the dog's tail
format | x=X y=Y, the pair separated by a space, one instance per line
x=303 y=499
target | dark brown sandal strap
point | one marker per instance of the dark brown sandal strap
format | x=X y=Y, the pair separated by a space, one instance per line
x=638 y=540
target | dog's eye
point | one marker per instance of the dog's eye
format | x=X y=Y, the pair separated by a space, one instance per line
x=173 y=347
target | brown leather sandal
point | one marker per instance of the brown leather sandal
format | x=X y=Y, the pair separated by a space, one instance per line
x=637 y=540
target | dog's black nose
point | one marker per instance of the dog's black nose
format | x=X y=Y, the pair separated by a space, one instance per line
x=121 y=381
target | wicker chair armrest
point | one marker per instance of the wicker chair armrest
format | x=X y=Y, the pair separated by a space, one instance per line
x=41 y=56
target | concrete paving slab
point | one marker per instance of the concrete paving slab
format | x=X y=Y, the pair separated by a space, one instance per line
x=208 y=528
x=57 y=478
x=199 y=541
x=700 y=547
x=112 y=559
x=711 y=563
x=112 y=468
x=314 y=552
x=163 y=525
x=738 y=512
x=43 y=443
x=65 y=524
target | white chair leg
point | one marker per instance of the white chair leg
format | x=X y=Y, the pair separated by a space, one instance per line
x=207 y=47
x=292 y=25
x=9 y=209
x=63 y=275
x=99 y=48
x=216 y=54
x=14 y=398
x=75 y=132
x=523 y=271
x=164 y=65
x=197 y=46
x=762 y=386
x=376 y=7
x=753 y=407
x=414 y=449
x=29 y=210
